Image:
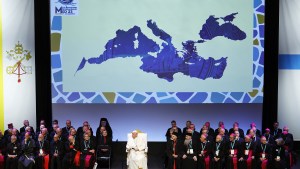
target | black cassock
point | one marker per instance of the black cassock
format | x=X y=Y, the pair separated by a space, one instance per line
x=26 y=160
x=204 y=155
x=56 y=148
x=247 y=151
x=12 y=149
x=261 y=149
x=190 y=151
x=174 y=148
x=70 y=152
x=41 y=147
x=85 y=147
x=233 y=148
x=270 y=139
x=218 y=151
x=279 y=153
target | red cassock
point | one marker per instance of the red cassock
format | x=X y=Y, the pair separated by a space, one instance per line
x=2 y=166
x=174 y=148
x=264 y=163
x=87 y=161
x=206 y=160
x=234 y=159
x=249 y=159
x=77 y=159
x=46 y=161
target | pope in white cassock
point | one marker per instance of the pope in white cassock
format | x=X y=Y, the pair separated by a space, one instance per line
x=137 y=149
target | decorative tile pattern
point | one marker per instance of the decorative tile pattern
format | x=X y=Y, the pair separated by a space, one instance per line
x=256 y=96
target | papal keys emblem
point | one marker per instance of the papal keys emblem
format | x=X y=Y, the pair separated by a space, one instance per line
x=20 y=57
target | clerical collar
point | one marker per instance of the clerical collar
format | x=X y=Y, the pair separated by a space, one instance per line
x=86 y=144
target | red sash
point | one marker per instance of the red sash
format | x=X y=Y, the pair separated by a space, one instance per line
x=249 y=160
x=174 y=147
x=2 y=162
x=87 y=161
x=264 y=162
x=206 y=160
x=46 y=161
x=77 y=159
x=234 y=159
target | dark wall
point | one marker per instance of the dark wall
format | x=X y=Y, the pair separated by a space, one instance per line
x=43 y=61
x=271 y=63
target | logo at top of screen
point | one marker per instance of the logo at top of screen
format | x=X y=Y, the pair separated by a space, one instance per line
x=66 y=2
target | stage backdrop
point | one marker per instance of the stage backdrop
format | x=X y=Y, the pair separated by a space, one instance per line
x=155 y=52
x=289 y=66
x=17 y=60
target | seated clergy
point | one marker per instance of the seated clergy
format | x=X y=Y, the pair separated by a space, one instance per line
x=218 y=153
x=204 y=152
x=71 y=148
x=189 y=157
x=263 y=154
x=269 y=137
x=42 y=152
x=56 y=152
x=104 y=145
x=137 y=149
x=233 y=152
x=87 y=148
x=278 y=154
x=246 y=159
x=174 y=151
x=13 y=151
x=26 y=160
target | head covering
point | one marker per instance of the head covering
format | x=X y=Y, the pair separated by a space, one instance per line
x=188 y=134
x=104 y=119
x=175 y=133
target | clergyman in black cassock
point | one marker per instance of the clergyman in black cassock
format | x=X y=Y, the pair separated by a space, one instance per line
x=218 y=153
x=56 y=152
x=279 y=158
x=42 y=149
x=189 y=157
x=174 y=151
x=87 y=157
x=13 y=151
x=263 y=154
x=26 y=160
x=204 y=152
x=246 y=159
x=233 y=153
x=71 y=148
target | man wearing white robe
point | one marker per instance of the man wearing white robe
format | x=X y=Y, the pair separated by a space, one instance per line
x=136 y=149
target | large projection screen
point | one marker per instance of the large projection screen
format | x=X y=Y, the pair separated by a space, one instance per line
x=143 y=63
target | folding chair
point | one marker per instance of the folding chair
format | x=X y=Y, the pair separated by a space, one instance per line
x=102 y=156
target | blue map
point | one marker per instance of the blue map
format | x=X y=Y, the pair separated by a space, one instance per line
x=166 y=60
